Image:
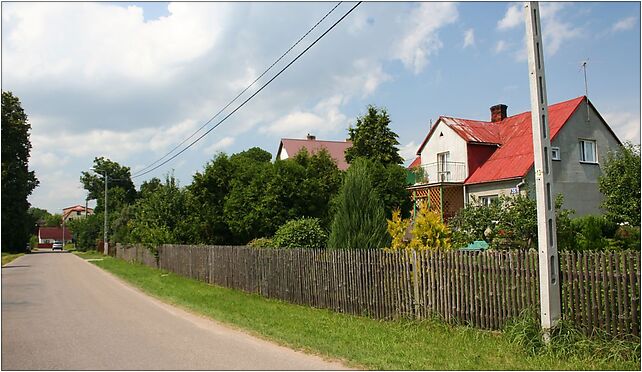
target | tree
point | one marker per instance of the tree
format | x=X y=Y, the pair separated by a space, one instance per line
x=119 y=184
x=17 y=181
x=372 y=138
x=300 y=233
x=209 y=190
x=620 y=184
x=53 y=220
x=390 y=183
x=359 y=221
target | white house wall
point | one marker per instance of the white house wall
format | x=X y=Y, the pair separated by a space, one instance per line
x=450 y=141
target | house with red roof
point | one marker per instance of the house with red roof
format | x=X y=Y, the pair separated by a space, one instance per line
x=47 y=235
x=290 y=147
x=75 y=212
x=463 y=160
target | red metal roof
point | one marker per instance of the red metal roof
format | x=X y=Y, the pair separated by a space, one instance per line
x=415 y=163
x=336 y=149
x=514 y=157
x=53 y=233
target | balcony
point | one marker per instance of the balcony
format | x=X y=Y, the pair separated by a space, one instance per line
x=440 y=172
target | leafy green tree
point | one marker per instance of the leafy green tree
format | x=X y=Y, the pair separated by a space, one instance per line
x=18 y=181
x=209 y=190
x=148 y=187
x=119 y=184
x=390 y=183
x=300 y=233
x=87 y=231
x=620 y=184
x=372 y=138
x=39 y=215
x=162 y=216
x=360 y=220
x=321 y=183
x=53 y=220
x=247 y=206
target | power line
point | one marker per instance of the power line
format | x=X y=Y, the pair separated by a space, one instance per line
x=242 y=92
x=254 y=94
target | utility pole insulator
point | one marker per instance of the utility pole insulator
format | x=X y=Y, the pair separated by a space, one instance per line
x=549 y=280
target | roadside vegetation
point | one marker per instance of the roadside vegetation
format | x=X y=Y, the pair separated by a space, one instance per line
x=8 y=257
x=367 y=343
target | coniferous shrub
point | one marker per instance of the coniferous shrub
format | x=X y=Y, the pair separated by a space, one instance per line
x=359 y=221
x=301 y=233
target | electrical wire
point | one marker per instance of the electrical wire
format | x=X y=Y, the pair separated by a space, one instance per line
x=253 y=95
x=242 y=92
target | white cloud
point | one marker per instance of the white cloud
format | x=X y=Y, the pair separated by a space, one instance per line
x=624 y=24
x=625 y=124
x=326 y=117
x=421 y=40
x=555 y=28
x=501 y=46
x=116 y=42
x=363 y=80
x=408 y=152
x=514 y=16
x=469 y=38
x=220 y=145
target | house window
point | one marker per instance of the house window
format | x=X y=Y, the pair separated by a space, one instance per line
x=588 y=151
x=443 y=168
x=555 y=153
x=78 y=212
x=487 y=200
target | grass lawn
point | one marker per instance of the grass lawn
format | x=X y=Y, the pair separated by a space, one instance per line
x=360 y=342
x=8 y=257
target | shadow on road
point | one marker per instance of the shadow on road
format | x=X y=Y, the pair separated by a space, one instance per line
x=14 y=266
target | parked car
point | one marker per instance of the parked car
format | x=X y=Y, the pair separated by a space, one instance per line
x=57 y=245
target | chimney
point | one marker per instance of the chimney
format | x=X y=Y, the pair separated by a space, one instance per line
x=498 y=112
x=311 y=137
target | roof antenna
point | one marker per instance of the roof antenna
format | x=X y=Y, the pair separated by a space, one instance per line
x=430 y=125
x=584 y=63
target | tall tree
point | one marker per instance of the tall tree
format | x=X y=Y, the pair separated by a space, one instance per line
x=620 y=184
x=121 y=188
x=372 y=138
x=17 y=181
x=359 y=221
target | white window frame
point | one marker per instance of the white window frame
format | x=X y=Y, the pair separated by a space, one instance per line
x=583 y=158
x=555 y=153
x=486 y=200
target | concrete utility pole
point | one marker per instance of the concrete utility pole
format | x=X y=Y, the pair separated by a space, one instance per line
x=549 y=281
x=105 y=245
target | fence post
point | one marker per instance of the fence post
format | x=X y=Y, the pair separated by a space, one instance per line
x=415 y=284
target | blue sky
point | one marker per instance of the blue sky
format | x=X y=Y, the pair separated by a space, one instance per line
x=130 y=80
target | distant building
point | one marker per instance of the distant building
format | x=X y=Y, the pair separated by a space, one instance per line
x=290 y=147
x=461 y=159
x=47 y=235
x=75 y=212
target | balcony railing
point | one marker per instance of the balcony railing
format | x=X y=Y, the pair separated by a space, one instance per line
x=439 y=172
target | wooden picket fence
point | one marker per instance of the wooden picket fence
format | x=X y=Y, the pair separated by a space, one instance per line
x=600 y=290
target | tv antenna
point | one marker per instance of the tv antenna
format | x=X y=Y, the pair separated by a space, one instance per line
x=583 y=67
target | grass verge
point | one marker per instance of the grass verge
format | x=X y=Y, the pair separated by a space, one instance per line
x=361 y=342
x=8 y=257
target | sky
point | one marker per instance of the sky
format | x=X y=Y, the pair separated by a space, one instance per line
x=129 y=81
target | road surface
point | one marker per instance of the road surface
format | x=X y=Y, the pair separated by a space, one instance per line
x=60 y=312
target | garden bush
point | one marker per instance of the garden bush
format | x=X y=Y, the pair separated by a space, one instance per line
x=301 y=233
x=261 y=243
x=428 y=231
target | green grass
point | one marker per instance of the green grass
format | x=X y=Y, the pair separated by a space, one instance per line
x=8 y=257
x=360 y=342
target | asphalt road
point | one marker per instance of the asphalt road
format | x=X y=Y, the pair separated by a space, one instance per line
x=60 y=312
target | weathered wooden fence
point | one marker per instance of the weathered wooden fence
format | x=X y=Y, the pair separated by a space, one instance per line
x=599 y=290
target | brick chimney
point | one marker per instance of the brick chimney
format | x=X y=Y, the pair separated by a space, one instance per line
x=498 y=112
x=311 y=137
